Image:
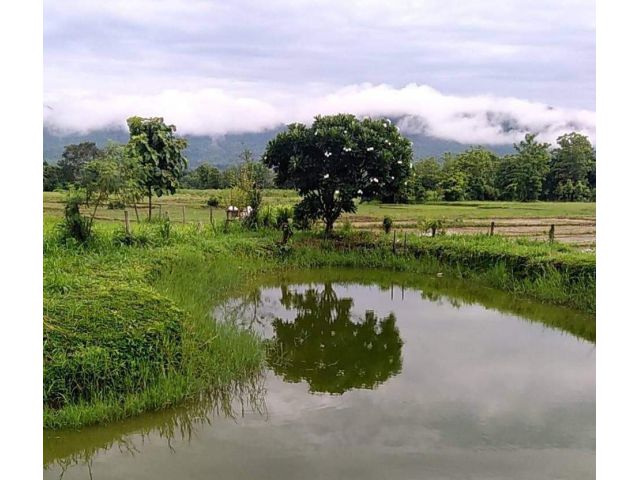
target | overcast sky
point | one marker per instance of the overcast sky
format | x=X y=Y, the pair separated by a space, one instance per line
x=460 y=69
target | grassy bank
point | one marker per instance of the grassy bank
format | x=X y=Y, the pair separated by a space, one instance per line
x=120 y=339
x=126 y=319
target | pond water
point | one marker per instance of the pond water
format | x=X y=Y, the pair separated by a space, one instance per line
x=373 y=375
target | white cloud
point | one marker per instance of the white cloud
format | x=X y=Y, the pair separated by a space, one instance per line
x=216 y=111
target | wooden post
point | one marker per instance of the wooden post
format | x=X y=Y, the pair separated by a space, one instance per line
x=211 y=215
x=552 y=233
x=183 y=216
x=127 y=228
x=493 y=225
x=394 y=241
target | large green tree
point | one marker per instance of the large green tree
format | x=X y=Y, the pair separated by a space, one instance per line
x=159 y=152
x=572 y=169
x=74 y=157
x=340 y=158
x=478 y=165
x=51 y=177
x=427 y=177
x=521 y=176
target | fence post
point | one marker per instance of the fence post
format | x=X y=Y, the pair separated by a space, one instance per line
x=552 y=233
x=493 y=225
x=211 y=215
x=394 y=241
x=183 y=216
x=126 y=223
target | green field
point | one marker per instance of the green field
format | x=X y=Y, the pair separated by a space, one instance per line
x=194 y=203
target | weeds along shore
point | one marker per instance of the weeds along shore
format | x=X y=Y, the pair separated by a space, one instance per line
x=127 y=324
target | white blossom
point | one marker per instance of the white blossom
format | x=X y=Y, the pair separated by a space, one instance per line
x=369 y=149
x=406 y=183
x=399 y=162
x=327 y=154
x=337 y=192
x=346 y=149
x=326 y=175
x=374 y=179
x=359 y=192
x=393 y=178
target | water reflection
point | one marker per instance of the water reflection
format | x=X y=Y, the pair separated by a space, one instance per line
x=329 y=348
x=68 y=448
x=471 y=383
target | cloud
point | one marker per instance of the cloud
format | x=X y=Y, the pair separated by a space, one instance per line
x=482 y=119
x=468 y=71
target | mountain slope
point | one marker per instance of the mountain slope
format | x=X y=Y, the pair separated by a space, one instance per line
x=225 y=150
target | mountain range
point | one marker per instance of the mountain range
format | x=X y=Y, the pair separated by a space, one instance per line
x=225 y=150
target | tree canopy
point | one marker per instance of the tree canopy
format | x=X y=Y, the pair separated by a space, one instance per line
x=340 y=158
x=159 y=152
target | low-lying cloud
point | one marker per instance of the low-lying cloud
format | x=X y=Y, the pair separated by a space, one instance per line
x=480 y=119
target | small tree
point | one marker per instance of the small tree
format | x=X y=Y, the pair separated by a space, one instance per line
x=337 y=159
x=159 y=152
x=100 y=179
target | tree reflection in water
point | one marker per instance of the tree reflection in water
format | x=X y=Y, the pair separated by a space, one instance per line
x=326 y=348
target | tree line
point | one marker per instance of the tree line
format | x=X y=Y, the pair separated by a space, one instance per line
x=535 y=171
x=331 y=163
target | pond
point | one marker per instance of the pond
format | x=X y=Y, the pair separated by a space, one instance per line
x=373 y=375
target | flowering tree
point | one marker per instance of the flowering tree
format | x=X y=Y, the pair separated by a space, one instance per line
x=338 y=159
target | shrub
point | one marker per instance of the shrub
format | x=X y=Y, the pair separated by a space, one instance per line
x=387 y=223
x=75 y=226
x=346 y=226
x=265 y=218
x=433 y=226
x=283 y=215
x=213 y=202
x=165 y=228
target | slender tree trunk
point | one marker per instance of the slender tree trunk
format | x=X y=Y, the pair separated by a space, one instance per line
x=135 y=207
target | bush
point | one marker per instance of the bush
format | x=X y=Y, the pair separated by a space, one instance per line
x=387 y=223
x=283 y=215
x=75 y=226
x=165 y=228
x=346 y=226
x=265 y=218
x=433 y=226
x=213 y=202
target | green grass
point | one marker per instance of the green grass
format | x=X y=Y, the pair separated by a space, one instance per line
x=127 y=327
x=479 y=210
x=196 y=210
x=117 y=340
